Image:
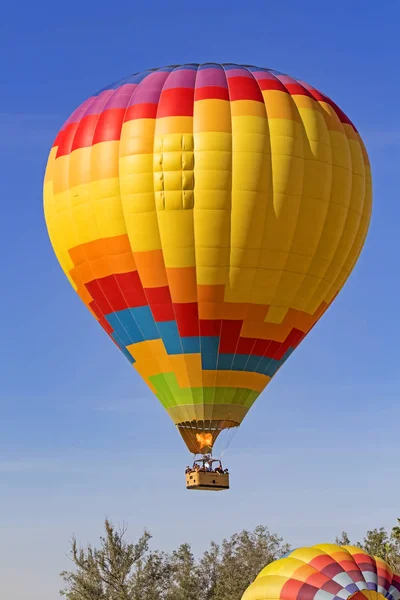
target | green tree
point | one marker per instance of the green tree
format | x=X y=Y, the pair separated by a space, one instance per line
x=379 y=542
x=104 y=573
x=209 y=571
x=241 y=558
x=396 y=531
x=343 y=540
x=186 y=580
x=152 y=577
x=119 y=570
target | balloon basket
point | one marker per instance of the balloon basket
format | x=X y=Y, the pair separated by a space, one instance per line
x=207 y=475
x=212 y=482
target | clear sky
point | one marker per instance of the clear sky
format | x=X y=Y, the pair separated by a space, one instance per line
x=319 y=451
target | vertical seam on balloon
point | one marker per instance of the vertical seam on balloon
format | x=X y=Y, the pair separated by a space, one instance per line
x=98 y=229
x=113 y=275
x=195 y=246
x=227 y=277
x=367 y=203
x=182 y=406
x=230 y=242
x=326 y=216
x=133 y=254
x=334 y=284
x=355 y=240
x=265 y=355
x=301 y=195
x=304 y=140
x=184 y=355
x=322 y=279
x=46 y=209
x=367 y=207
x=249 y=304
x=214 y=388
x=91 y=182
x=127 y=233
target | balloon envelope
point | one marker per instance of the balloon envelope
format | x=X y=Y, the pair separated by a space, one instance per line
x=207 y=215
x=326 y=572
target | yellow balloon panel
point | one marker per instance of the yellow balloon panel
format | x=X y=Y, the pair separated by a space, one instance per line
x=208 y=215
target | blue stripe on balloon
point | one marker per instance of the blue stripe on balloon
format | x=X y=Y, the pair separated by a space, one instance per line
x=133 y=325
x=144 y=318
x=209 y=352
x=191 y=345
x=125 y=327
x=246 y=362
x=170 y=336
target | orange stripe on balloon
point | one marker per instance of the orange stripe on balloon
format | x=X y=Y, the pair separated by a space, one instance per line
x=211 y=310
x=151 y=267
x=102 y=247
x=210 y=293
x=182 y=284
x=235 y=379
x=101 y=258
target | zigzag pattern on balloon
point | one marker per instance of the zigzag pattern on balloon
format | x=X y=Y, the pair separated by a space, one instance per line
x=132 y=314
x=326 y=572
x=208 y=215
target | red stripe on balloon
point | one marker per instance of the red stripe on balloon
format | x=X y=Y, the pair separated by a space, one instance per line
x=158 y=295
x=160 y=303
x=85 y=132
x=272 y=84
x=211 y=92
x=295 y=89
x=210 y=327
x=109 y=124
x=146 y=110
x=244 y=88
x=117 y=292
x=65 y=139
x=230 y=333
x=162 y=312
x=187 y=318
x=176 y=102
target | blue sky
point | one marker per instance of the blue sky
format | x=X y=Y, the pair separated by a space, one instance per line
x=319 y=451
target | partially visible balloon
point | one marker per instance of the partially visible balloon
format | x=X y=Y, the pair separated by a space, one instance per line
x=207 y=215
x=326 y=572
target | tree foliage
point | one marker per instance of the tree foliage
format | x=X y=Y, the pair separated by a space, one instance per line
x=379 y=542
x=121 y=570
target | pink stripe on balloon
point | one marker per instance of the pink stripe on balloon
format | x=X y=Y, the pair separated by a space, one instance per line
x=211 y=77
x=238 y=73
x=121 y=96
x=263 y=75
x=149 y=90
x=97 y=106
x=286 y=79
x=181 y=78
x=79 y=112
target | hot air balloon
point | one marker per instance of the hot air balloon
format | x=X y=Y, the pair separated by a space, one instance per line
x=326 y=572
x=207 y=215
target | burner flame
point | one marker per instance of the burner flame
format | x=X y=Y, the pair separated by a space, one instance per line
x=204 y=439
